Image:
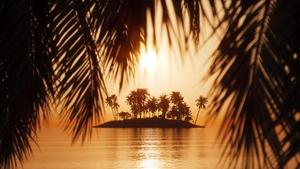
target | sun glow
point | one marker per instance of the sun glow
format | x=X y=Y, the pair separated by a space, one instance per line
x=149 y=61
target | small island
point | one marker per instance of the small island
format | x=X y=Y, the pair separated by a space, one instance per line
x=146 y=111
x=148 y=123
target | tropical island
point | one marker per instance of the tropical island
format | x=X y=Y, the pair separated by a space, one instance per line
x=166 y=111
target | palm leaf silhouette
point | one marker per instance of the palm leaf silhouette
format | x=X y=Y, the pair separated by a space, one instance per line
x=26 y=79
x=257 y=74
x=62 y=52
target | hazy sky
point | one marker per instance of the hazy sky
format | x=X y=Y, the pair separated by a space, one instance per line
x=172 y=73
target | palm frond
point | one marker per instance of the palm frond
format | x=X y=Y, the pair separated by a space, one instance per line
x=100 y=37
x=26 y=78
x=81 y=84
x=256 y=64
x=61 y=51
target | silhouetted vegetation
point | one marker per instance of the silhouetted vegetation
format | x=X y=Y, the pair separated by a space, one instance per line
x=200 y=103
x=140 y=103
x=169 y=108
x=124 y=115
x=112 y=102
x=58 y=53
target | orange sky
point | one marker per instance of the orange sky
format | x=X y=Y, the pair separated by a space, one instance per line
x=171 y=74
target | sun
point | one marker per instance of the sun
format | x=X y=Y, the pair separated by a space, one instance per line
x=149 y=61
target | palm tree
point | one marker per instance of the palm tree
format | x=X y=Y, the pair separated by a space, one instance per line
x=137 y=99
x=131 y=99
x=256 y=66
x=177 y=100
x=185 y=112
x=112 y=102
x=142 y=97
x=173 y=113
x=200 y=103
x=164 y=104
x=115 y=105
x=124 y=115
x=109 y=103
x=152 y=105
x=181 y=112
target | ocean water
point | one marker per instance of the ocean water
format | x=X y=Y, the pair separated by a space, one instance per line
x=144 y=148
x=129 y=148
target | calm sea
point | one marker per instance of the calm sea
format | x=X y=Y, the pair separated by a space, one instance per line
x=128 y=148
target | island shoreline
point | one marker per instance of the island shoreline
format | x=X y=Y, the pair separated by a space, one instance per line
x=148 y=123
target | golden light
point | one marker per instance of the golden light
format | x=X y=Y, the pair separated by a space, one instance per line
x=149 y=60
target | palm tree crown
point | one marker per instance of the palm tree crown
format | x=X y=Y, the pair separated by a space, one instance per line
x=164 y=104
x=200 y=103
x=112 y=102
x=137 y=99
x=152 y=104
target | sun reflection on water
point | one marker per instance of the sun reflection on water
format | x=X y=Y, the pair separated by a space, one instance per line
x=150 y=164
x=149 y=151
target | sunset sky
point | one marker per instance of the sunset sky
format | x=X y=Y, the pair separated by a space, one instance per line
x=172 y=73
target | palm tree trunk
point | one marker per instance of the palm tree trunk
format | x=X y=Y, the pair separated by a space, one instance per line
x=112 y=110
x=197 y=116
x=116 y=113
